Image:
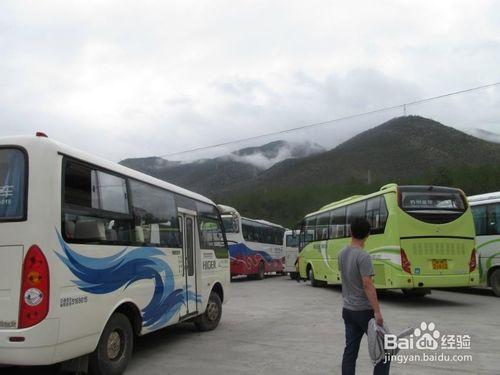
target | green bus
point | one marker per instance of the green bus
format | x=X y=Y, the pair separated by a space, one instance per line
x=422 y=237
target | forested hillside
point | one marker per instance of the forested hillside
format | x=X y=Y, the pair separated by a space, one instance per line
x=405 y=150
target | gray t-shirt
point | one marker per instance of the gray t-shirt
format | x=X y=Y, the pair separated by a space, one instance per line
x=354 y=263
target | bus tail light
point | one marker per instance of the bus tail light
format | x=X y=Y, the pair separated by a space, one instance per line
x=34 y=299
x=473 y=261
x=405 y=263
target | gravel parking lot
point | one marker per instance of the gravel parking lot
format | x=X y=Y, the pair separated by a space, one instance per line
x=277 y=326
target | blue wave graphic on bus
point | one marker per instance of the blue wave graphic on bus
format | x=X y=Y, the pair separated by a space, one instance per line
x=242 y=250
x=108 y=274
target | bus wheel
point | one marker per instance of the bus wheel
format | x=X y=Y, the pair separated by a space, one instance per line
x=260 y=273
x=314 y=282
x=495 y=281
x=211 y=317
x=114 y=349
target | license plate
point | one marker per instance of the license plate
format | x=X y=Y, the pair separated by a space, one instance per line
x=439 y=264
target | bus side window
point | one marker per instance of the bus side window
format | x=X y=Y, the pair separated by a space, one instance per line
x=303 y=238
x=322 y=225
x=155 y=215
x=310 y=228
x=354 y=210
x=480 y=219
x=246 y=232
x=337 y=223
x=281 y=233
x=376 y=214
x=95 y=207
x=494 y=219
x=373 y=213
x=384 y=213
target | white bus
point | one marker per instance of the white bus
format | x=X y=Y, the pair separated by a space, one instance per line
x=255 y=246
x=291 y=249
x=93 y=253
x=486 y=212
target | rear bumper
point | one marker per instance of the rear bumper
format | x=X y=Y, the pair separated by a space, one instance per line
x=38 y=348
x=444 y=281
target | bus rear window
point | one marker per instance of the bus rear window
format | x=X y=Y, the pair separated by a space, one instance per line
x=12 y=184
x=432 y=204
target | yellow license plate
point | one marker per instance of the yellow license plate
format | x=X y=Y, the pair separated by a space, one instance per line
x=439 y=264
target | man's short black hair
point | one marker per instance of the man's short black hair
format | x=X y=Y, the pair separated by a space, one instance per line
x=360 y=228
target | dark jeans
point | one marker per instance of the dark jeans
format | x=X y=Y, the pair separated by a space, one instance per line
x=356 y=325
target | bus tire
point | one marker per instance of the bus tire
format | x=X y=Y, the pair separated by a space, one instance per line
x=260 y=273
x=114 y=349
x=314 y=283
x=495 y=282
x=210 y=319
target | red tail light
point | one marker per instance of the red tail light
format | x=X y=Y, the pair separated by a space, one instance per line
x=405 y=263
x=34 y=301
x=473 y=261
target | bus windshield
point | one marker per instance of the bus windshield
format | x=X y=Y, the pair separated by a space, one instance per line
x=12 y=184
x=432 y=204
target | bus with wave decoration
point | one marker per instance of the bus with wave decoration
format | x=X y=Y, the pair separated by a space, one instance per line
x=255 y=246
x=421 y=237
x=93 y=254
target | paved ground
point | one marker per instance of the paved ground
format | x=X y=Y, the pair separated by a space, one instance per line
x=277 y=326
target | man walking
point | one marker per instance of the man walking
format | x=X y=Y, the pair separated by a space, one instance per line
x=359 y=295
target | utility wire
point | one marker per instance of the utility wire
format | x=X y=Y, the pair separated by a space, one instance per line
x=362 y=114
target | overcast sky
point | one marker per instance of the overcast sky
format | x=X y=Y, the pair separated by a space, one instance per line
x=126 y=79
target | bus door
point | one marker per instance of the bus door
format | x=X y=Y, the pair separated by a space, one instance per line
x=190 y=261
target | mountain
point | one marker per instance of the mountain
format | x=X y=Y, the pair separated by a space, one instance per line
x=401 y=149
x=150 y=165
x=405 y=150
x=209 y=176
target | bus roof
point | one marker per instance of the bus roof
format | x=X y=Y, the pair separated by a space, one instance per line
x=226 y=210
x=389 y=188
x=484 y=198
x=354 y=198
x=31 y=142
x=262 y=222
x=265 y=222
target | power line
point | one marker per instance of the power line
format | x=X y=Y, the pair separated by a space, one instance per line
x=403 y=106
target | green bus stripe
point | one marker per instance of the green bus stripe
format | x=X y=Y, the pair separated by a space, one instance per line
x=490 y=260
x=389 y=263
x=487 y=243
x=385 y=250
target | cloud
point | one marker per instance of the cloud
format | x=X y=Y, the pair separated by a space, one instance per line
x=123 y=79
